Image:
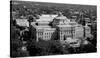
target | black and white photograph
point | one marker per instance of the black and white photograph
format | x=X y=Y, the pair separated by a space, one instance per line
x=45 y=28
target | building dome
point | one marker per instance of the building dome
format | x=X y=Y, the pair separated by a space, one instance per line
x=60 y=20
x=61 y=17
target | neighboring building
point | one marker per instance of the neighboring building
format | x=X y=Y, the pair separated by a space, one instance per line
x=87 y=31
x=87 y=20
x=22 y=22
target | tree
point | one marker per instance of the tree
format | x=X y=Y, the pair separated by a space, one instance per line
x=42 y=47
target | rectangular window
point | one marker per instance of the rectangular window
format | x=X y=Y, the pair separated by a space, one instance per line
x=45 y=33
x=38 y=33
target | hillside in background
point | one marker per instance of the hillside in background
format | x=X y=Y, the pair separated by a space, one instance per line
x=73 y=6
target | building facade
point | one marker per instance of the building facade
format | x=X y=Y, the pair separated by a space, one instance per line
x=61 y=29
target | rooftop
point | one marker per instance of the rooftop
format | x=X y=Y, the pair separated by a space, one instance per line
x=46 y=17
x=45 y=27
x=64 y=25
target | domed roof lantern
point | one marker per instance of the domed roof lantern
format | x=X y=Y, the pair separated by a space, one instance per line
x=60 y=14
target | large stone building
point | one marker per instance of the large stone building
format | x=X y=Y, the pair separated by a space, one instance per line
x=61 y=28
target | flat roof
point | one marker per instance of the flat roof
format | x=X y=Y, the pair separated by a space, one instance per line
x=64 y=25
x=45 y=27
